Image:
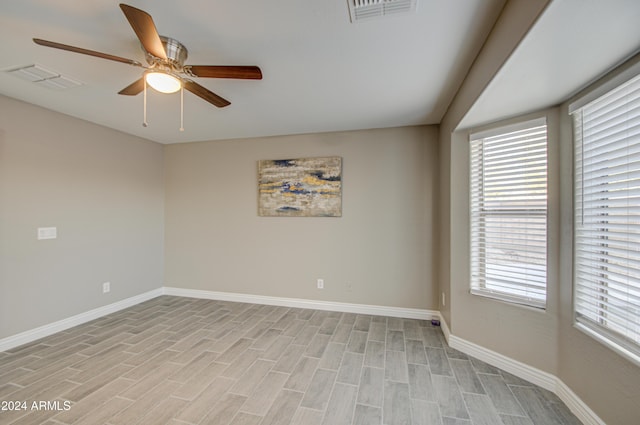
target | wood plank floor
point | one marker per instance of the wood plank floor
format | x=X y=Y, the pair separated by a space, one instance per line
x=178 y=361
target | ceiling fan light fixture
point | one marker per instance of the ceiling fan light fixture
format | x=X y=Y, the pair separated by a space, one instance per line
x=163 y=82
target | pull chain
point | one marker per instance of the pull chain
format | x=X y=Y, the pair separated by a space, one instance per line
x=182 y=108
x=144 y=117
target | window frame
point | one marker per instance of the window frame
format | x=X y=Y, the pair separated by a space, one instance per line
x=476 y=288
x=601 y=333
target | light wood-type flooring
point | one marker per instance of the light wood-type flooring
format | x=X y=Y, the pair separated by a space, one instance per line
x=179 y=361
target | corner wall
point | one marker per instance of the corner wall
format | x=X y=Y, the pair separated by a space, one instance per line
x=526 y=334
x=512 y=25
x=380 y=252
x=102 y=189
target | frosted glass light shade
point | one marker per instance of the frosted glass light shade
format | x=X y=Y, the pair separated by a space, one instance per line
x=164 y=83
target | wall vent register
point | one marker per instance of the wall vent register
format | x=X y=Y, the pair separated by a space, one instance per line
x=367 y=9
x=43 y=77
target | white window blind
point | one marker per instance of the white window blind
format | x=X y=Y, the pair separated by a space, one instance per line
x=509 y=213
x=607 y=217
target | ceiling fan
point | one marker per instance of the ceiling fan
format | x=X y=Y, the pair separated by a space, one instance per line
x=165 y=70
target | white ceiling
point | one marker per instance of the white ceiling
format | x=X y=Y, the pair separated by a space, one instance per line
x=572 y=44
x=321 y=72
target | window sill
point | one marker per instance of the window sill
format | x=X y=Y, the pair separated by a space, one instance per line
x=513 y=301
x=632 y=357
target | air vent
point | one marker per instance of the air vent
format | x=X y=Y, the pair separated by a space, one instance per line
x=367 y=9
x=43 y=77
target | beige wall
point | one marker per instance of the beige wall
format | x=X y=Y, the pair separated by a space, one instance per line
x=382 y=245
x=102 y=189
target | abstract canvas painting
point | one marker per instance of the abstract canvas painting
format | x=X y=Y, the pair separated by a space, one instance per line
x=305 y=187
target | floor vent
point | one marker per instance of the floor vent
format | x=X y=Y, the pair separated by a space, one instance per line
x=43 y=77
x=367 y=9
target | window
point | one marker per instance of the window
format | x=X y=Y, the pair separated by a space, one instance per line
x=607 y=217
x=509 y=213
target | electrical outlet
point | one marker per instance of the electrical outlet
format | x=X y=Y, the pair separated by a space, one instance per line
x=320 y=283
x=348 y=286
x=444 y=303
x=106 y=287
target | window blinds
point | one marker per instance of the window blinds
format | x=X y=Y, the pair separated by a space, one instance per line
x=607 y=216
x=509 y=213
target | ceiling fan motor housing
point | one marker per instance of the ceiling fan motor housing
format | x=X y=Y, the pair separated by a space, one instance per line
x=176 y=54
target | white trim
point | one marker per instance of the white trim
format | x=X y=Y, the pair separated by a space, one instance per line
x=406 y=313
x=494 y=130
x=605 y=87
x=576 y=405
x=445 y=328
x=61 y=325
x=610 y=343
x=521 y=370
x=541 y=378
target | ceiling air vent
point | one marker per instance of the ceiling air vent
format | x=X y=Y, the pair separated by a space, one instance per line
x=43 y=77
x=367 y=9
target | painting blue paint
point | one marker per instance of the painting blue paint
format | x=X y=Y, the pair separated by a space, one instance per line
x=306 y=187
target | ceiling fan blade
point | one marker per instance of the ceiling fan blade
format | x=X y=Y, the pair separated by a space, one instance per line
x=85 y=51
x=145 y=29
x=205 y=94
x=222 y=71
x=134 y=88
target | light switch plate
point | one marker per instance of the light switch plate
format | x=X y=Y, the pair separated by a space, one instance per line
x=47 y=233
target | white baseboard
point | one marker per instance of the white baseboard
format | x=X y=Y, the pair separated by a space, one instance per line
x=529 y=373
x=407 y=313
x=445 y=328
x=519 y=369
x=61 y=325
x=576 y=405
